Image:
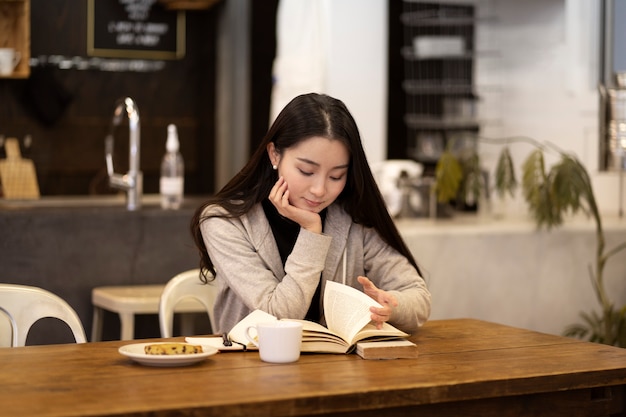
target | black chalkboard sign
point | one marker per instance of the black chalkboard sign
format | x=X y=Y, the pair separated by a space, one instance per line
x=134 y=29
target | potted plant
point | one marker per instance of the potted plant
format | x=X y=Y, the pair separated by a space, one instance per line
x=550 y=194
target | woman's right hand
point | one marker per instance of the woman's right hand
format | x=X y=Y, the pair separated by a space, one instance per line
x=387 y=300
x=279 y=196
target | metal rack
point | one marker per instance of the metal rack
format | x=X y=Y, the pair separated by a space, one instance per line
x=97 y=64
x=438 y=85
x=439 y=54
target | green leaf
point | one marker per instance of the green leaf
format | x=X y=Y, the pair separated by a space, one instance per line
x=576 y=330
x=534 y=178
x=472 y=180
x=565 y=188
x=505 y=174
x=448 y=176
x=568 y=185
x=536 y=189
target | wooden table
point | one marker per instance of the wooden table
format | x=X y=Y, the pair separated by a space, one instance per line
x=466 y=367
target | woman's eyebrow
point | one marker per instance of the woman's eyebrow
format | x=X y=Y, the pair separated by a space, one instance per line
x=308 y=161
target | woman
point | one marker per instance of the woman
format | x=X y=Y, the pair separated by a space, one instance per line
x=306 y=209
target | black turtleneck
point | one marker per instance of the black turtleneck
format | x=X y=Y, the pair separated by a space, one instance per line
x=286 y=233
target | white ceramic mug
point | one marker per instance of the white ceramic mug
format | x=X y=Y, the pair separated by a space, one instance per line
x=278 y=341
x=9 y=58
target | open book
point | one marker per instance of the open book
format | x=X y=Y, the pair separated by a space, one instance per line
x=347 y=317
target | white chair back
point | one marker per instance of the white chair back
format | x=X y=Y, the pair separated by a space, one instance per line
x=6 y=330
x=25 y=305
x=184 y=285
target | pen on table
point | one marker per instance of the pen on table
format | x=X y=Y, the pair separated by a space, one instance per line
x=228 y=342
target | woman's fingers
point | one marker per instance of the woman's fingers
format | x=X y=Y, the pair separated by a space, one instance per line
x=278 y=190
x=388 y=301
x=279 y=196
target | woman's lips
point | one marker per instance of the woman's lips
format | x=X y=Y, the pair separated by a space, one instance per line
x=312 y=203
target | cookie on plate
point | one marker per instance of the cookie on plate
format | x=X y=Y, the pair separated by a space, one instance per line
x=172 y=349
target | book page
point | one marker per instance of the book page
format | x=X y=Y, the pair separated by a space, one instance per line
x=312 y=331
x=346 y=310
x=369 y=331
x=315 y=346
x=238 y=333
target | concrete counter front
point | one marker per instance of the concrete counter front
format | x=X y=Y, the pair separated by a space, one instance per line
x=69 y=250
x=507 y=271
x=502 y=271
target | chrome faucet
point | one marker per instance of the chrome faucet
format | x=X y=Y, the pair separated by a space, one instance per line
x=132 y=182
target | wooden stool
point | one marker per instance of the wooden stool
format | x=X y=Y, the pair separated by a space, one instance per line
x=128 y=300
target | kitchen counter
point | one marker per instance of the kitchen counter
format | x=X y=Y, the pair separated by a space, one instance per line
x=507 y=271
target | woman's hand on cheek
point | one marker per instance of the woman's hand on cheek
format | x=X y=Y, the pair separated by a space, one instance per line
x=388 y=301
x=279 y=196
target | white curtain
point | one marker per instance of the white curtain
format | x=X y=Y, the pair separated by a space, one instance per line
x=301 y=63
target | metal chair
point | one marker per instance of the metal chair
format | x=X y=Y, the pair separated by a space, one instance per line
x=184 y=286
x=24 y=305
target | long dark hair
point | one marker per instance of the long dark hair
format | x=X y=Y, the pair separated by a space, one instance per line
x=306 y=116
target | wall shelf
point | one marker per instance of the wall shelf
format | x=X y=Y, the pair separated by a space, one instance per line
x=15 y=33
x=427 y=122
x=434 y=86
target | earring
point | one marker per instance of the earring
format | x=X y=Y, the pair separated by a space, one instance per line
x=274 y=167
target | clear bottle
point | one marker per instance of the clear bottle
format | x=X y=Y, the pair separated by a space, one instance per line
x=172 y=181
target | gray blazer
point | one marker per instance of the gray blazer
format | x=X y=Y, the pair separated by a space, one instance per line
x=250 y=273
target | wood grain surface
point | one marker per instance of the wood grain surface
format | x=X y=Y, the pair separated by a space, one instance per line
x=465 y=367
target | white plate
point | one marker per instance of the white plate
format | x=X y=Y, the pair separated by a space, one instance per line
x=136 y=352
